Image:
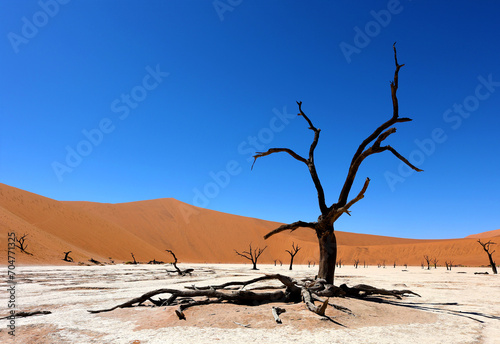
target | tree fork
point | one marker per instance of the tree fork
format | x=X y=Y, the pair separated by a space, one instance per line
x=328 y=215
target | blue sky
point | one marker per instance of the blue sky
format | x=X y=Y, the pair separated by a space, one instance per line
x=120 y=101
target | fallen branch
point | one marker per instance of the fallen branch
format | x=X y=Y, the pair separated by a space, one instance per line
x=276 y=313
x=363 y=290
x=27 y=314
x=306 y=290
x=237 y=323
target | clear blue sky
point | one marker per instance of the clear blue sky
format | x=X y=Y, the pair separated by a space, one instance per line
x=119 y=101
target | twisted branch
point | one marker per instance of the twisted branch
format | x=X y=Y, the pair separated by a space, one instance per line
x=291 y=227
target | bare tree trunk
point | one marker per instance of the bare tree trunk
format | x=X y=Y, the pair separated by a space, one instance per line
x=487 y=248
x=492 y=264
x=327 y=255
x=293 y=252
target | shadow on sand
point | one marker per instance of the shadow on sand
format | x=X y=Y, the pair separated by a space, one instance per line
x=434 y=307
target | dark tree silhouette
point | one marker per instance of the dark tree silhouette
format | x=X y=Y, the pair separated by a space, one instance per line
x=435 y=262
x=449 y=264
x=307 y=290
x=22 y=244
x=428 y=260
x=135 y=262
x=293 y=252
x=324 y=226
x=92 y=260
x=252 y=255
x=174 y=263
x=67 y=258
x=487 y=249
x=356 y=263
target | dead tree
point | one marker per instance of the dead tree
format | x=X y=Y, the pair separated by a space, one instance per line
x=428 y=260
x=22 y=244
x=179 y=271
x=449 y=264
x=356 y=263
x=309 y=290
x=324 y=226
x=435 y=262
x=92 y=260
x=292 y=253
x=252 y=255
x=487 y=249
x=67 y=258
x=135 y=262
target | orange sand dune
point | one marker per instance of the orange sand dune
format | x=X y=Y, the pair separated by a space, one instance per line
x=489 y=234
x=146 y=228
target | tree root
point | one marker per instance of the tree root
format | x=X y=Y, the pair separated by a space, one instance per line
x=295 y=291
x=363 y=290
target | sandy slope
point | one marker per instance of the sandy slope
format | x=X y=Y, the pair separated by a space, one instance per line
x=147 y=228
x=488 y=234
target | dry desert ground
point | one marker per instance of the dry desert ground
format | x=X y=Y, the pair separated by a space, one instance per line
x=455 y=306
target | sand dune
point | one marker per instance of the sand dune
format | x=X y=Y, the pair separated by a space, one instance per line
x=146 y=228
x=488 y=234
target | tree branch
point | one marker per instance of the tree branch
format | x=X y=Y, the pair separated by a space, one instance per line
x=379 y=135
x=278 y=150
x=310 y=162
x=245 y=254
x=336 y=213
x=395 y=85
x=291 y=227
x=294 y=251
x=402 y=158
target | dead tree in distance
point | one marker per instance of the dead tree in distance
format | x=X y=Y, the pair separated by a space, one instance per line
x=179 y=271
x=435 y=262
x=324 y=226
x=356 y=263
x=449 y=264
x=67 y=258
x=133 y=257
x=487 y=248
x=22 y=244
x=293 y=252
x=428 y=260
x=252 y=255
